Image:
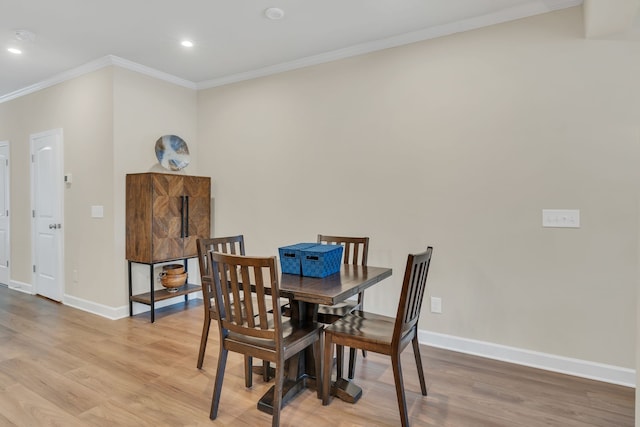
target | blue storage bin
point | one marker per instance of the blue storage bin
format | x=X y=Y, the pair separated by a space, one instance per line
x=290 y=262
x=321 y=260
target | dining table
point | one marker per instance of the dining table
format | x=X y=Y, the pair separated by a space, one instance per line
x=305 y=294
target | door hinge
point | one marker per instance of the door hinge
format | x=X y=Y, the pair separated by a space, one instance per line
x=33 y=158
x=7 y=263
x=7 y=160
x=34 y=268
x=33 y=213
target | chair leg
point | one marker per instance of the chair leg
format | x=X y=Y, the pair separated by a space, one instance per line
x=361 y=305
x=352 y=362
x=217 y=387
x=203 y=341
x=248 y=371
x=266 y=368
x=277 y=393
x=327 y=365
x=318 y=362
x=397 y=376
x=416 y=353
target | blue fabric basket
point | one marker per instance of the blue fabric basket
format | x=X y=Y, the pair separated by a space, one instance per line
x=321 y=260
x=290 y=262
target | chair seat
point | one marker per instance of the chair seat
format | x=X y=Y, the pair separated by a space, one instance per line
x=366 y=327
x=328 y=314
x=290 y=334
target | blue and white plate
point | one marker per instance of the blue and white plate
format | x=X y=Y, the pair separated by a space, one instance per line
x=172 y=152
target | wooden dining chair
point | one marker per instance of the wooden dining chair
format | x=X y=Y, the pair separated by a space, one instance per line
x=232 y=245
x=229 y=245
x=256 y=330
x=385 y=335
x=355 y=252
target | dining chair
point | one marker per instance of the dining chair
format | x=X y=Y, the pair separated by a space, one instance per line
x=355 y=252
x=385 y=335
x=230 y=245
x=256 y=330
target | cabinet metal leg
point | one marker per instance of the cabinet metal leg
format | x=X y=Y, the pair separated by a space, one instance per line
x=152 y=294
x=130 y=292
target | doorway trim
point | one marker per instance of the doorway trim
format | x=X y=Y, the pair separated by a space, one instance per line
x=7 y=202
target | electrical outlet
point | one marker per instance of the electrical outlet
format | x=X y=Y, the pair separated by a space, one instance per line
x=561 y=218
x=436 y=305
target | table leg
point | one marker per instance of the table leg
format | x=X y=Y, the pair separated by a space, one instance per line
x=299 y=369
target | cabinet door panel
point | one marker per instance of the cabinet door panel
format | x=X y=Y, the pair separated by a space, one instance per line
x=198 y=190
x=167 y=217
x=139 y=213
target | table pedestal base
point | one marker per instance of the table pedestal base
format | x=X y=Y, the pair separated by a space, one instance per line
x=346 y=390
x=342 y=389
x=289 y=390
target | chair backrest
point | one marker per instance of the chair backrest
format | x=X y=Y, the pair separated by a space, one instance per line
x=246 y=292
x=412 y=294
x=229 y=245
x=355 y=248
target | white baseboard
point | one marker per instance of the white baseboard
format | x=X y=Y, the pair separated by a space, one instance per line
x=550 y=362
x=112 y=313
x=121 y=312
x=21 y=287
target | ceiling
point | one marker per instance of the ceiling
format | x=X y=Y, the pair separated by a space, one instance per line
x=233 y=40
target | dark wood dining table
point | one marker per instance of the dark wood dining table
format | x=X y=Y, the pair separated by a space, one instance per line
x=305 y=294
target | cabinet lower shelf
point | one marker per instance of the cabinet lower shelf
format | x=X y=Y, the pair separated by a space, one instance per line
x=155 y=295
x=163 y=294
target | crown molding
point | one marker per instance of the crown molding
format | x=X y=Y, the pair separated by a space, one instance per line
x=517 y=12
x=525 y=10
x=59 y=78
x=92 y=66
x=151 y=72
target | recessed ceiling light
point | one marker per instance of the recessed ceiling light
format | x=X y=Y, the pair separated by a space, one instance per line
x=186 y=43
x=14 y=50
x=274 y=13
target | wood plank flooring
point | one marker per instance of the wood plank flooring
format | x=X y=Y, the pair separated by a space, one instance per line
x=63 y=367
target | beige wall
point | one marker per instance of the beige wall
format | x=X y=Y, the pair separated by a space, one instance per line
x=458 y=143
x=111 y=119
x=83 y=109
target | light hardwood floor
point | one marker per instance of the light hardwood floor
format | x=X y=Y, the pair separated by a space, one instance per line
x=64 y=367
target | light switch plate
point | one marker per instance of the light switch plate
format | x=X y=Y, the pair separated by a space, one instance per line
x=561 y=218
x=436 y=305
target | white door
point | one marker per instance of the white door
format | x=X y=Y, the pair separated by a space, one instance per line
x=46 y=205
x=5 y=251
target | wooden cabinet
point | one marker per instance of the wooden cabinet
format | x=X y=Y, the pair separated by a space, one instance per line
x=165 y=216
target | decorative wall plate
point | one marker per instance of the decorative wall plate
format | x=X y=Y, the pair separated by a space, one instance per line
x=172 y=152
